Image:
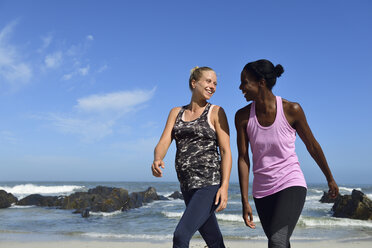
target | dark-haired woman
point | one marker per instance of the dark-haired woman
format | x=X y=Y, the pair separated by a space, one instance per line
x=269 y=124
x=200 y=130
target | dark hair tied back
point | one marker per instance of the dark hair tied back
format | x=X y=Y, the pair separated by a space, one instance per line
x=264 y=69
x=278 y=70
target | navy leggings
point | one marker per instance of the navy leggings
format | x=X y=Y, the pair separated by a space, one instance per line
x=199 y=215
x=279 y=214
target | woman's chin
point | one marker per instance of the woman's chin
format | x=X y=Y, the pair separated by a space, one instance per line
x=248 y=99
x=207 y=97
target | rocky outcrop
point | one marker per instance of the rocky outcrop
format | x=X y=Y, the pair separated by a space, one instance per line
x=138 y=199
x=99 y=199
x=354 y=206
x=41 y=201
x=327 y=199
x=107 y=199
x=6 y=199
x=176 y=195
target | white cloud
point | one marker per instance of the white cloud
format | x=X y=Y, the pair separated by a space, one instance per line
x=84 y=71
x=47 y=40
x=74 y=50
x=150 y=125
x=6 y=31
x=15 y=71
x=67 y=76
x=92 y=127
x=53 y=60
x=102 y=69
x=134 y=147
x=7 y=137
x=122 y=101
x=89 y=130
x=68 y=61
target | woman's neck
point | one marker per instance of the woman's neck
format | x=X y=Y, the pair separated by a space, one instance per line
x=265 y=102
x=196 y=104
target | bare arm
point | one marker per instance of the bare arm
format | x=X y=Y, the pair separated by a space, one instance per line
x=312 y=145
x=223 y=136
x=163 y=144
x=241 y=120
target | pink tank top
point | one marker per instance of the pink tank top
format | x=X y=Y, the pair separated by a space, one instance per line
x=275 y=163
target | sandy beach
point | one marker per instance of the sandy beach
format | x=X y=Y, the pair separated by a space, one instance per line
x=194 y=244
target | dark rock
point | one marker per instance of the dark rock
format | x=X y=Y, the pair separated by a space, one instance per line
x=150 y=195
x=354 y=206
x=6 y=199
x=162 y=198
x=327 y=199
x=138 y=199
x=113 y=201
x=99 y=199
x=101 y=190
x=39 y=200
x=176 y=195
x=85 y=213
x=78 y=200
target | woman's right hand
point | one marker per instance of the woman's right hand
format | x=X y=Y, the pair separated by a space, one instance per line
x=155 y=167
x=247 y=216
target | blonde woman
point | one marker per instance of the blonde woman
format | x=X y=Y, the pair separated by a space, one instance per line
x=203 y=159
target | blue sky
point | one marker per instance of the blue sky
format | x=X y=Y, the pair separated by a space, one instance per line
x=86 y=86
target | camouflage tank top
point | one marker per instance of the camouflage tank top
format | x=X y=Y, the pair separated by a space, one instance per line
x=198 y=161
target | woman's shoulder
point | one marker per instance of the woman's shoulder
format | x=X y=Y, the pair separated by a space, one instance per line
x=243 y=112
x=216 y=108
x=217 y=112
x=291 y=108
x=174 y=111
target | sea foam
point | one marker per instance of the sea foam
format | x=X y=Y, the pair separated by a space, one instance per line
x=105 y=214
x=129 y=236
x=333 y=222
x=318 y=191
x=313 y=197
x=221 y=217
x=23 y=190
x=348 y=190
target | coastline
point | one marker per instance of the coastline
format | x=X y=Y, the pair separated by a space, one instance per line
x=193 y=244
x=152 y=225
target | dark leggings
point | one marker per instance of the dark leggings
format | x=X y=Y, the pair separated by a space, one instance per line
x=199 y=215
x=279 y=214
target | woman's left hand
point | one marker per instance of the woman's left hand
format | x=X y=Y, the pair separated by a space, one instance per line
x=221 y=197
x=333 y=189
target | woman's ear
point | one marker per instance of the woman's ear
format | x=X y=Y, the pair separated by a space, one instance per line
x=193 y=84
x=262 y=83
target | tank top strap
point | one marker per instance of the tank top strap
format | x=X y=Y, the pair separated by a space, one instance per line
x=279 y=105
x=279 y=109
x=180 y=113
x=206 y=110
x=252 y=112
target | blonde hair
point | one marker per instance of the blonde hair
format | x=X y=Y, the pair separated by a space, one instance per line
x=196 y=73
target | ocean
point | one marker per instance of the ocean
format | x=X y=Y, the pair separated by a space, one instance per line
x=156 y=221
